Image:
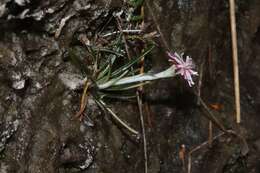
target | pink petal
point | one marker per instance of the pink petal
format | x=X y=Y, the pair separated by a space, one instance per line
x=184 y=68
x=193 y=72
x=175 y=57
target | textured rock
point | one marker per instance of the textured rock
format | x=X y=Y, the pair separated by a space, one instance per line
x=40 y=88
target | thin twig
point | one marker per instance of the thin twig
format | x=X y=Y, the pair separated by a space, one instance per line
x=149 y=114
x=118 y=119
x=140 y=106
x=210 y=133
x=182 y=154
x=199 y=147
x=124 y=38
x=134 y=31
x=200 y=82
x=139 y=93
x=211 y=116
x=244 y=150
x=189 y=163
x=83 y=101
x=235 y=58
x=216 y=122
x=157 y=25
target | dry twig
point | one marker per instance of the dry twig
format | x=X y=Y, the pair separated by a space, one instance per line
x=83 y=102
x=200 y=147
x=235 y=58
x=157 y=25
x=133 y=131
x=211 y=116
x=124 y=37
x=140 y=106
x=210 y=133
x=134 y=31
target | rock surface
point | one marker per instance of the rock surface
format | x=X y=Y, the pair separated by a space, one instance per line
x=37 y=100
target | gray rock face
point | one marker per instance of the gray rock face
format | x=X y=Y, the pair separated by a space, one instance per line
x=37 y=99
x=72 y=81
x=40 y=90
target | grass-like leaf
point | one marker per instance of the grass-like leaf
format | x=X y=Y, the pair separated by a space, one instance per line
x=127 y=86
x=104 y=74
x=112 y=81
x=133 y=80
x=132 y=62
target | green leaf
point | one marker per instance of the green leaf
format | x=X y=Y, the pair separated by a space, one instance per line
x=104 y=75
x=136 y=18
x=127 y=86
x=112 y=81
x=132 y=62
x=135 y=3
x=120 y=95
x=140 y=78
x=110 y=51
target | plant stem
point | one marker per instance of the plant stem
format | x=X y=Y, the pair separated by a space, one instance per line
x=170 y=72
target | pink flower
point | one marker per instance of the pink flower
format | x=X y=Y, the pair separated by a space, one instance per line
x=185 y=68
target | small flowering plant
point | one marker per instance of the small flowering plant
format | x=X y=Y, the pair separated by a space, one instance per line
x=110 y=80
x=179 y=66
x=124 y=80
x=116 y=62
x=184 y=68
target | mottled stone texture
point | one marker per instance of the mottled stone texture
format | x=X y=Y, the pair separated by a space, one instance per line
x=37 y=132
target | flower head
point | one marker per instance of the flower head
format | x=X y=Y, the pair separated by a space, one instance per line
x=185 y=68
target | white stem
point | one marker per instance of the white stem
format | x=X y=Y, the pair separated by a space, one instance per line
x=170 y=72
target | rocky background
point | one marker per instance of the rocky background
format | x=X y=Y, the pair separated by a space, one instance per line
x=38 y=97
